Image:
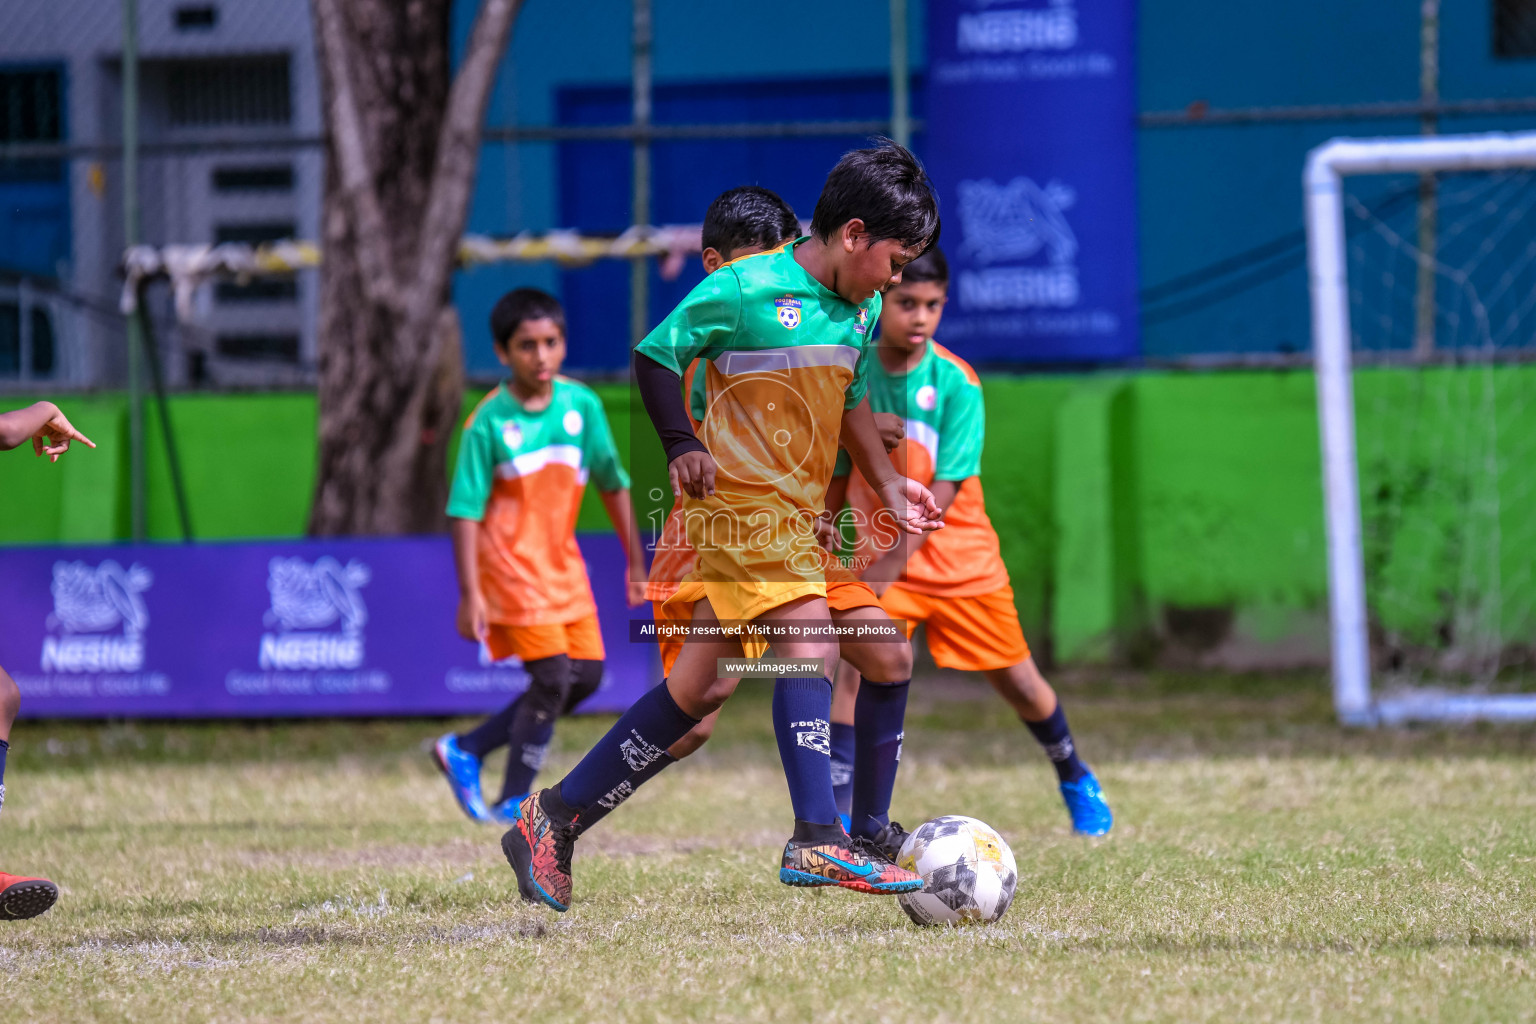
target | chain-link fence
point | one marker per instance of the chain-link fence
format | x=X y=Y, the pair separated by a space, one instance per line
x=230 y=142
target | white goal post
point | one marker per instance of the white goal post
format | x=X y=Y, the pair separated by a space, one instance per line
x=1331 y=341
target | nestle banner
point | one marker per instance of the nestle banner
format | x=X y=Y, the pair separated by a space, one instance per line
x=1031 y=141
x=347 y=627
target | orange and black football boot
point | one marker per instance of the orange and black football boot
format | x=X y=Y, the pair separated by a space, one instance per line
x=21 y=898
x=824 y=860
x=538 y=846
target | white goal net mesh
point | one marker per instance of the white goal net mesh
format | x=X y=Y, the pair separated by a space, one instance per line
x=1446 y=427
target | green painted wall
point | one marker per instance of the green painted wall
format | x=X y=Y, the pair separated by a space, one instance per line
x=1131 y=510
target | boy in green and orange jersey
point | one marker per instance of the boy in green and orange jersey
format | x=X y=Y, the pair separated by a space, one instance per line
x=953 y=581
x=783 y=336
x=51 y=433
x=527 y=452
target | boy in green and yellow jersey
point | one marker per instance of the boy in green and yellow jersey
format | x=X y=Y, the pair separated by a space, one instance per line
x=784 y=338
x=528 y=450
x=954 y=582
x=743 y=222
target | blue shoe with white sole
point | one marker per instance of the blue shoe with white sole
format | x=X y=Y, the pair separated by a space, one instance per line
x=462 y=770
x=1085 y=801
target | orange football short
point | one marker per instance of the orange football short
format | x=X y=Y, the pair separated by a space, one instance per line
x=581 y=640
x=973 y=634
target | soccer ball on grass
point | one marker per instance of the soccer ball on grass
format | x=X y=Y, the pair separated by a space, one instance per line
x=968 y=872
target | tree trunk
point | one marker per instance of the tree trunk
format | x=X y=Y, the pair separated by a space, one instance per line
x=402 y=141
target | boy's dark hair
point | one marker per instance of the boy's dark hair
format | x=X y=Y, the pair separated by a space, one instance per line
x=885 y=187
x=523 y=304
x=930 y=266
x=748 y=216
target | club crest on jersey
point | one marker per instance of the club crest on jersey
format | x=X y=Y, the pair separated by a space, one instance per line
x=861 y=322
x=512 y=435
x=789 y=312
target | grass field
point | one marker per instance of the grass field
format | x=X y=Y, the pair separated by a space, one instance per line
x=1265 y=866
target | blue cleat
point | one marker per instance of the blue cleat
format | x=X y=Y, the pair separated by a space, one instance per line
x=847 y=821
x=506 y=812
x=1085 y=802
x=462 y=770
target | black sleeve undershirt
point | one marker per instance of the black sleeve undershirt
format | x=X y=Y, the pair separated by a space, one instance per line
x=662 y=392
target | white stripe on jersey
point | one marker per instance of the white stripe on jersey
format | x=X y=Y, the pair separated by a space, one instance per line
x=529 y=463
x=926 y=435
x=782 y=360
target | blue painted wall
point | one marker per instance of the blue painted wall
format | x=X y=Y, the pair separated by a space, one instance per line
x=34 y=201
x=1206 y=193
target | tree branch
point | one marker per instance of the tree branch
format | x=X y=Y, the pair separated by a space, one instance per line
x=350 y=149
x=458 y=152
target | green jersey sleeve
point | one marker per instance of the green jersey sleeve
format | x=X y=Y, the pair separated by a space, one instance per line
x=844 y=464
x=961 y=431
x=700 y=326
x=698 y=399
x=598 y=452
x=474 y=471
x=859 y=386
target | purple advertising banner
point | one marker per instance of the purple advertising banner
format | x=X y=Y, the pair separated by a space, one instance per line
x=281 y=629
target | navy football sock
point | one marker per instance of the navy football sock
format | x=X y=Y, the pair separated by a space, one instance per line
x=802 y=709
x=877 y=716
x=528 y=744
x=1056 y=738
x=623 y=791
x=490 y=734
x=842 y=766
x=640 y=736
x=4 y=749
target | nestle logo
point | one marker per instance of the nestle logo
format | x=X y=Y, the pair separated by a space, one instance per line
x=1054 y=28
x=90 y=602
x=307 y=597
x=92 y=654
x=309 y=651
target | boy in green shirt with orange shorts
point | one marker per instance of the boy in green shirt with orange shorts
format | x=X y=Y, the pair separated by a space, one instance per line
x=954 y=582
x=527 y=453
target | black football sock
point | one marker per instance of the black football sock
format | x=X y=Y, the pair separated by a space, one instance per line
x=815 y=832
x=1056 y=738
x=491 y=734
x=533 y=727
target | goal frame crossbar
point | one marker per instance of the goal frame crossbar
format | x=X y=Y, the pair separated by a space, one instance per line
x=1327 y=272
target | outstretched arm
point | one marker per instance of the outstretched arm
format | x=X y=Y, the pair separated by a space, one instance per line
x=45 y=426
x=622 y=514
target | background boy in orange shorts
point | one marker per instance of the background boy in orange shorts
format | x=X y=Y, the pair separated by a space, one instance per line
x=527 y=452
x=952 y=580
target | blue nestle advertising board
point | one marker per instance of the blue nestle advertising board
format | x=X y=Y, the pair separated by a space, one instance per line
x=343 y=627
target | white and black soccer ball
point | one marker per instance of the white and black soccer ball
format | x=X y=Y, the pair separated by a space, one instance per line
x=969 y=876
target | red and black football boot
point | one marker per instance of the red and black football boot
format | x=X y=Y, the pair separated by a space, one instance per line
x=538 y=846
x=21 y=898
